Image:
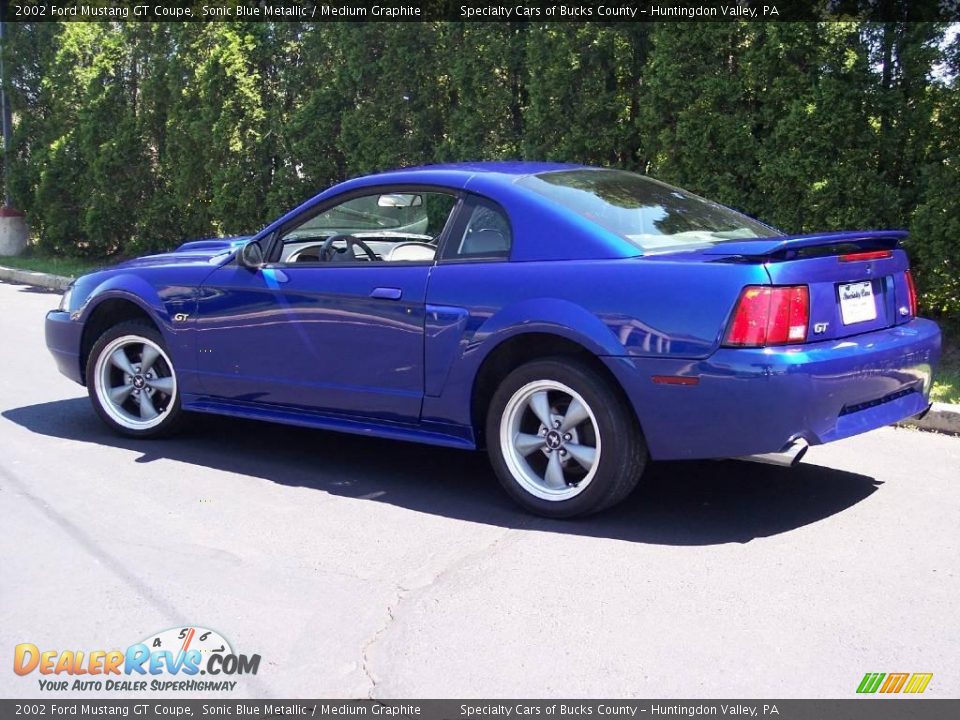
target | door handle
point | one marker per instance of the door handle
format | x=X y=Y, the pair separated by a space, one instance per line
x=387 y=293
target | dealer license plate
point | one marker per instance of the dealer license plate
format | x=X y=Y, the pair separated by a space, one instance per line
x=857 y=303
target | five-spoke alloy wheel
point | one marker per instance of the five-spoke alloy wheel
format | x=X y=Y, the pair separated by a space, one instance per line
x=132 y=381
x=562 y=440
x=550 y=441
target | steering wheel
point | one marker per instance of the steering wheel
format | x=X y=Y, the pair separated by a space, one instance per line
x=328 y=252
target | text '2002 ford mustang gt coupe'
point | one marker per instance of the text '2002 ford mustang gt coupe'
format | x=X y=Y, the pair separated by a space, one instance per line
x=575 y=321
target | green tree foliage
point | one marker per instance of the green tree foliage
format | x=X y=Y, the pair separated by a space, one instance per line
x=935 y=230
x=391 y=78
x=33 y=46
x=583 y=85
x=306 y=116
x=130 y=138
x=699 y=116
x=820 y=165
x=229 y=144
x=484 y=84
x=90 y=169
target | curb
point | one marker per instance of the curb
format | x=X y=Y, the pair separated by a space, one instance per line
x=37 y=279
x=942 y=418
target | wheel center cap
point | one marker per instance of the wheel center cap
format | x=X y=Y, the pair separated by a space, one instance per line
x=554 y=440
x=139 y=382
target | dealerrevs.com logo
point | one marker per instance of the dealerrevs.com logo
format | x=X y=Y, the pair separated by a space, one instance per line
x=170 y=660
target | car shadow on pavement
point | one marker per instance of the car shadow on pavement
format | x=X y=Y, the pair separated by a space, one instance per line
x=677 y=503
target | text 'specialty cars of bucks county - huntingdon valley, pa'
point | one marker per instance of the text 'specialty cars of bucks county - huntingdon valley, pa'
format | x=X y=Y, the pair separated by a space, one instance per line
x=577 y=322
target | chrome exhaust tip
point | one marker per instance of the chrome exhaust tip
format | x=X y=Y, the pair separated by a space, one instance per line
x=788 y=457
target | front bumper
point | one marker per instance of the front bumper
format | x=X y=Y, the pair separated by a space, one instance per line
x=751 y=401
x=63 y=340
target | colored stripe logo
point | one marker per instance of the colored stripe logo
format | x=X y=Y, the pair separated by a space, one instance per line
x=914 y=683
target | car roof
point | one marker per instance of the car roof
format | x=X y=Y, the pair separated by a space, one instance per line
x=511 y=169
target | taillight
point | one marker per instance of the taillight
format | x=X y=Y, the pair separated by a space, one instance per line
x=911 y=294
x=768 y=315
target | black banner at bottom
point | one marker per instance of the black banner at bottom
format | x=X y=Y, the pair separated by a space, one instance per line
x=867 y=708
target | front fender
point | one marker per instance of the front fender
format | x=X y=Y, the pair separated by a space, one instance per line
x=170 y=307
x=133 y=289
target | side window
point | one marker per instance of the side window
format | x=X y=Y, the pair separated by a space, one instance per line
x=380 y=227
x=486 y=233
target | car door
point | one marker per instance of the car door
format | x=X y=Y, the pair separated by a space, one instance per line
x=323 y=329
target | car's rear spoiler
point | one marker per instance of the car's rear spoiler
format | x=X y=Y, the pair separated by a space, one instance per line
x=773 y=247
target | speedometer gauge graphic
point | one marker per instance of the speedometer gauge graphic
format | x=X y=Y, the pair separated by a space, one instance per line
x=180 y=640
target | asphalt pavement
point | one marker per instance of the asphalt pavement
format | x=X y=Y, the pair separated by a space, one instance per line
x=359 y=567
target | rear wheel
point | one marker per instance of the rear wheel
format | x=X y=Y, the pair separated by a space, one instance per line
x=132 y=382
x=562 y=441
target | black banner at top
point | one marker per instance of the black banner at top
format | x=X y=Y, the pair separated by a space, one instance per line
x=479 y=10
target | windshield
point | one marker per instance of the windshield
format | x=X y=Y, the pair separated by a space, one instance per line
x=652 y=215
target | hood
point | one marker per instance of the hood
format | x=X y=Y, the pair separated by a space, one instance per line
x=192 y=252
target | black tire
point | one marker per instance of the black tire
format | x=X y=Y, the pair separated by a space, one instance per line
x=622 y=449
x=123 y=418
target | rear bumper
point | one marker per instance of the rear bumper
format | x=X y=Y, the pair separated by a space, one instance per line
x=63 y=342
x=752 y=401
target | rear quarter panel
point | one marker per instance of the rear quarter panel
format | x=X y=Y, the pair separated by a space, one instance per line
x=663 y=311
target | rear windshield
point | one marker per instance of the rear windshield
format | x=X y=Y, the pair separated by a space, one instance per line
x=652 y=215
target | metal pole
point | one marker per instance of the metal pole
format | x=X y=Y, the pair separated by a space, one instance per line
x=7 y=123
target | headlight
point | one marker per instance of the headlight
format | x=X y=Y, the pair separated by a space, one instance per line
x=65 y=300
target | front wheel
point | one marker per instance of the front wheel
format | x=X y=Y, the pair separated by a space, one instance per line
x=562 y=441
x=132 y=382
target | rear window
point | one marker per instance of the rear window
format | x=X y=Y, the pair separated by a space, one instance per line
x=652 y=215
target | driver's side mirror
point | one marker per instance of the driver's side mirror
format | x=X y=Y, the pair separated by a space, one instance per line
x=251 y=256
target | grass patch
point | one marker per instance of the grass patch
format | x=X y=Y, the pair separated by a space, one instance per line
x=70 y=267
x=946 y=382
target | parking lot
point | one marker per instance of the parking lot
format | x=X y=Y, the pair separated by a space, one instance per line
x=359 y=567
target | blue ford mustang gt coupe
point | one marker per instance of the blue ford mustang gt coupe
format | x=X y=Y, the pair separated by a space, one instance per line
x=575 y=321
